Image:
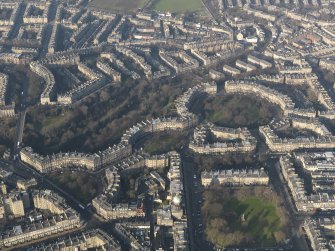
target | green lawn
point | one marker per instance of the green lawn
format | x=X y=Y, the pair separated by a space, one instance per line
x=262 y=225
x=122 y=5
x=261 y=219
x=178 y=5
x=163 y=142
x=55 y=121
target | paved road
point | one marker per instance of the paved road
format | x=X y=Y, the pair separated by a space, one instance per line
x=19 y=133
x=21 y=116
x=193 y=196
x=186 y=173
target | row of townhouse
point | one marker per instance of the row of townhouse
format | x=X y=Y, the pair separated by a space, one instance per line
x=136 y=235
x=235 y=177
x=103 y=65
x=3 y=88
x=188 y=63
x=146 y=68
x=95 y=82
x=312 y=124
x=30 y=18
x=93 y=239
x=48 y=78
x=108 y=210
x=15 y=8
x=184 y=101
x=144 y=128
x=225 y=140
x=277 y=144
x=91 y=162
x=63 y=218
x=5 y=110
x=296 y=185
x=273 y=96
x=177 y=203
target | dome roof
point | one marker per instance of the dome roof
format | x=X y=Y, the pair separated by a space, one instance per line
x=176 y=200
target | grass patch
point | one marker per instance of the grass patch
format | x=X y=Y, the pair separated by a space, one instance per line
x=263 y=224
x=261 y=219
x=160 y=143
x=178 y=5
x=82 y=186
x=236 y=111
x=54 y=121
x=120 y=5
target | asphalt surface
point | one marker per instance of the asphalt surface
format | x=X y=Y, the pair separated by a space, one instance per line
x=194 y=200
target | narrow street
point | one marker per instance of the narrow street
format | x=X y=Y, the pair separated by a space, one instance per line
x=193 y=194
